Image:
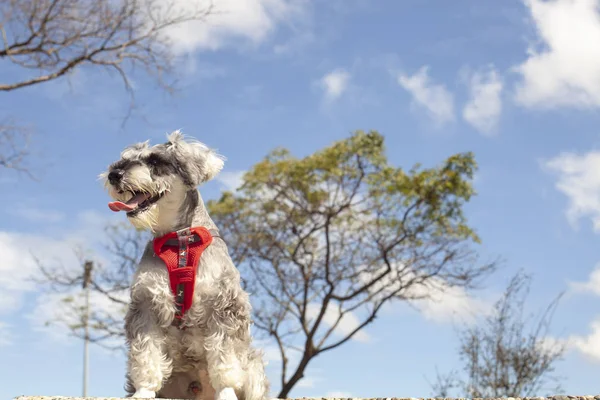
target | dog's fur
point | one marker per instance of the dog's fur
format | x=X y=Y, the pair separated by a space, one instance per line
x=163 y=359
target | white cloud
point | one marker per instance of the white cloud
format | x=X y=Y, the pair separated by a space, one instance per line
x=50 y=313
x=17 y=266
x=447 y=304
x=588 y=345
x=271 y=354
x=5 y=334
x=270 y=351
x=591 y=286
x=231 y=180
x=17 y=263
x=434 y=299
x=312 y=377
x=345 y=326
x=252 y=20
x=334 y=84
x=579 y=180
x=551 y=344
x=39 y=215
x=19 y=250
x=434 y=98
x=8 y=301
x=53 y=314
x=565 y=69
x=308 y=382
x=338 y=395
x=484 y=107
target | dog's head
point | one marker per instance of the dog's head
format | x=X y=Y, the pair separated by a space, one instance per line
x=150 y=183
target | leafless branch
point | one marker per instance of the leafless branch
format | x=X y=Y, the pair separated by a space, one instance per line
x=507 y=354
x=45 y=40
x=14 y=146
x=54 y=37
x=110 y=283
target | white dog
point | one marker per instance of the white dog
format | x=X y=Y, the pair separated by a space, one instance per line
x=188 y=314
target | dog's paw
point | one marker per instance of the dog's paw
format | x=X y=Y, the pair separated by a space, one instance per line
x=142 y=393
x=226 y=394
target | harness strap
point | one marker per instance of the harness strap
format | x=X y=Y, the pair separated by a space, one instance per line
x=193 y=239
x=181 y=251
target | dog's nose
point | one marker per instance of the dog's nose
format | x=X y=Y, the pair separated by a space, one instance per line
x=115 y=176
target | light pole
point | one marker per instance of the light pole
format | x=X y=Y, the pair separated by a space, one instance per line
x=87 y=278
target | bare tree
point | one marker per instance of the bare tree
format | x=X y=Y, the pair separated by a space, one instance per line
x=504 y=355
x=109 y=284
x=324 y=242
x=14 y=146
x=45 y=40
x=51 y=38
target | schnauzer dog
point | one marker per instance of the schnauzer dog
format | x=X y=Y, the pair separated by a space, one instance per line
x=188 y=322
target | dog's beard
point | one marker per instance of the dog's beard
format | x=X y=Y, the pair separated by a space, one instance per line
x=146 y=219
x=162 y=215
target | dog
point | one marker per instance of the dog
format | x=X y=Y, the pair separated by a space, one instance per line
x=188 y=339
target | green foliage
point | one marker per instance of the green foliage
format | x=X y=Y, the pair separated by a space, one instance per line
x=342 y=231
x=321 y=185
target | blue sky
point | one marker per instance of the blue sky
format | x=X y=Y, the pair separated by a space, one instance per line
x=515 y=81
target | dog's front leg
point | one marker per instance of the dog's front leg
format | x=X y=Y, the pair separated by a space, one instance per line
x=148 y=364
x=224 y=333
x=224 y=369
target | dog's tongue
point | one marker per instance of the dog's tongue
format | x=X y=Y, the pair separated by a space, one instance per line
x=130 y=205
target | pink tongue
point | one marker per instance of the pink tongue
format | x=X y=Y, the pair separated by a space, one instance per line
x=130 y=205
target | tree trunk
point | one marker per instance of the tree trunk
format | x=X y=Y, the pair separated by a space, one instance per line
x=298 y=374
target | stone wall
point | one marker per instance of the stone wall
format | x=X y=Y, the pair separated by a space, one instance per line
x=323 y=398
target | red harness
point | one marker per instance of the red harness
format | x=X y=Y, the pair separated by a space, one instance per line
x=181 y=252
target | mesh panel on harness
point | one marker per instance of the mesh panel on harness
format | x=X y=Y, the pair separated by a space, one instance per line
x=181 y=252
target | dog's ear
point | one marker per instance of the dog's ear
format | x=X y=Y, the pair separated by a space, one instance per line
x=209 y=163
x=200 y=161
x=134 y=149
